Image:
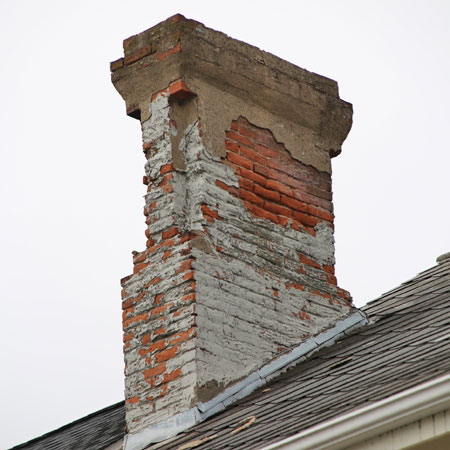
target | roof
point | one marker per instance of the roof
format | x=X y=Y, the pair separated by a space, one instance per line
x=406 y=344
x=93 y=432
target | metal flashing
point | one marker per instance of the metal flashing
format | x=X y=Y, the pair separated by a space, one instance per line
x=169 y=428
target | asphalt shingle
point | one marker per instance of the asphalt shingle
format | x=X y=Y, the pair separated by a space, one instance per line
x=406 y=344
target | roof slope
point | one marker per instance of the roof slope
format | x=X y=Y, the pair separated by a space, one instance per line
x=406 y=344
x=93 y=432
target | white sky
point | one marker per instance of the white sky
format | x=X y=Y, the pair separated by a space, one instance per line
x=71 y=171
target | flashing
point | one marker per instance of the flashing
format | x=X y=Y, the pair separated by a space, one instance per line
x=199 y=413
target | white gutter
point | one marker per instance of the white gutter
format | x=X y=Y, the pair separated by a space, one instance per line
x=399 y=409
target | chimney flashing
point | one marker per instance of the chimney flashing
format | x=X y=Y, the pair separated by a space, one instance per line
x=201 y=411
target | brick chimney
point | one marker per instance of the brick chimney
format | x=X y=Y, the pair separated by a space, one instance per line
x=238 y=269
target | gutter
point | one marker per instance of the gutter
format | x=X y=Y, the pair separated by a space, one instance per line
x=356 y=426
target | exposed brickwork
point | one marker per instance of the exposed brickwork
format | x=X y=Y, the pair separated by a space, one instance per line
x=273 y=185
x=238 y=267
x=239 y=258
x=158 y=300
x=271 y=282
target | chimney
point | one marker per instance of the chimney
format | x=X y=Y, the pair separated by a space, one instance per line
x=238 y=269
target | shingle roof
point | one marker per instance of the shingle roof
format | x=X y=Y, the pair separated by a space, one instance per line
x=93 y=432
x=406 y=344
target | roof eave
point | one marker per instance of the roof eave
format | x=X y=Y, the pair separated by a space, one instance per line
x=407 y=406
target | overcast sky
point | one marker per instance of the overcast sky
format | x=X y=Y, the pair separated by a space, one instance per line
x=71 y=171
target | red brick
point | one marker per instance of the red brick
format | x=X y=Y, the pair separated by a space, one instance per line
x=238 y=138
x=232 y=146
x=209 y=212
x=159 y=310
x=250 y=197
x=188 y=297
x=234 y=126
x=305 y=219
x=325 y=215
x=253 y=176
x=294 y=204
x=304 y=197
x=265 y=151
x=138 y=54
x=240 y=160
x=261 y=170
x=166 y=354
x=182 y=336
x=295 y=286
x=280 y=187
x=244 y=130
x=262 y=213
x=138 y=318
x=284 y=220
x=305 y=260
x=166 y=179
x=279 y=210
x=166 y=168
x=188 y=276
x=231 y=189
x=139 y=257
x=157 y=346
x=266 y=193
x=161 y=56
x=154 y=371
x=145 y=339
x=175 y=49
x=184 y=266
x=172 y=375
x=139 y=267
x=133 y=400
x=286 y=179
x=252 y=155
x=246 y=184
x=128 y=337
x=169 y=233
x=319 y=193
x=152 y=282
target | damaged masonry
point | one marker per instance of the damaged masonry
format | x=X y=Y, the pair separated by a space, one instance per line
x=237 y=278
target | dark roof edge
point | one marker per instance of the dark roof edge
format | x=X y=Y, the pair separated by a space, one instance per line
x=445 y=260
x=64 y=427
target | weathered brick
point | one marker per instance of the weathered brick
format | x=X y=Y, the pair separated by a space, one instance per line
x=267 y=193
x=252 y=155
x=294 y=204
x=278 y=209
x=238 y=138
x=250 y=197
x=240 y=161
x=256 y=178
